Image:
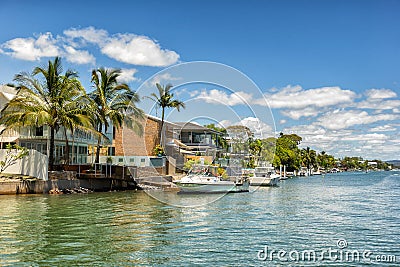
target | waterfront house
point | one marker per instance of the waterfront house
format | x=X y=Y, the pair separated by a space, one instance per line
x=181 y=141
x=81 y=145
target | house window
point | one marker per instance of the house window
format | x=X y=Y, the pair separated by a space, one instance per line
x=82 y=150
x=121 y=160
x=39 y=131
x=111 y=151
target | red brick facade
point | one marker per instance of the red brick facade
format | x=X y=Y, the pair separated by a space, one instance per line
x=128 y=143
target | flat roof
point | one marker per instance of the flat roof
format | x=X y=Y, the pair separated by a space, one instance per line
x=190 y=126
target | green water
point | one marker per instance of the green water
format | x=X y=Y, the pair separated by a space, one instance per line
x=133 y=229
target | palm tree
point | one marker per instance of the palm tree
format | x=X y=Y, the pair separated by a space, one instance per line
x=308 y=157
x=165 y=99
x=114 y=104
x=52 y=102
x=76 y=111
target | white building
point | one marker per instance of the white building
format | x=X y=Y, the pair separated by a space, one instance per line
x=81 y=145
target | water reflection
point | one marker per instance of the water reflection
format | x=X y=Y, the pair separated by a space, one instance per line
x=133 y=229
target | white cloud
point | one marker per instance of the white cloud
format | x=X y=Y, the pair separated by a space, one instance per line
x=295 y=97
x=89 y=34
x=318 y=137
x=32 y=49
x=344 y=142
x=365 y=137
x=259 y=128
x=225 y=123
x=164 y=78
x=341 y=119
x=220 y=97
x=298 y=113
x=138 y=50
x=380 y=93
x=379 y=104
x=128 y=48
x=78 y=56
x=127 y=75
x=383 y=128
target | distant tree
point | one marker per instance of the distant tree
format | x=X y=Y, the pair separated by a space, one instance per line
x=255 y=148
x=287 y=152
x=165 y=99
x=220 y=139
x=308 y=157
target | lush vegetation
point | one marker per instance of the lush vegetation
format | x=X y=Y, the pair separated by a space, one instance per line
x=50 y=97
x=111 y=102
x=285 y=151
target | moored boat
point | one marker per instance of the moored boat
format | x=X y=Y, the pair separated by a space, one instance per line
x=264 y=176
x=204 y=179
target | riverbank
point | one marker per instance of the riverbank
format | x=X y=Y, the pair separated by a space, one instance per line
x=59 y=182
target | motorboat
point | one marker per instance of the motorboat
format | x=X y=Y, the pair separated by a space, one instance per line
x=204 y=179
x=264 y=176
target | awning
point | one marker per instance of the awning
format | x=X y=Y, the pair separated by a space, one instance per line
x=8 y=139
x=180 y=144
x=187 y=152
x=8 y=95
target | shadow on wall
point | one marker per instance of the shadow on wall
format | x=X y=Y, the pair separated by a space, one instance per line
x=35 y=164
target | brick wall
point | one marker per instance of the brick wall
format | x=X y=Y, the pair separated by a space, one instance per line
x=128 y=143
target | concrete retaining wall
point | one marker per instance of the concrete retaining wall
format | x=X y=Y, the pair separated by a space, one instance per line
x=35 y=164
x=39 y=186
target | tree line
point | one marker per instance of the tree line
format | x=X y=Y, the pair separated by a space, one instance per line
x=285 y=151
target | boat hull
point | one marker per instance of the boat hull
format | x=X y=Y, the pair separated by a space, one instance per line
x=264 y=181
x=212 y=188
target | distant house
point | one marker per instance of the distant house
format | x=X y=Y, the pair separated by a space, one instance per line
x=373 y=164
x=181 y=141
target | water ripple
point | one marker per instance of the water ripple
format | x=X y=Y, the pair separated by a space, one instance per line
x=133 y=229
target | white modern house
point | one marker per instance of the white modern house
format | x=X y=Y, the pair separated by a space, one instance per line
x=82 y=146
x=37 y=138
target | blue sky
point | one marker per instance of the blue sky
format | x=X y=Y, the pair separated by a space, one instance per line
x=329 y=70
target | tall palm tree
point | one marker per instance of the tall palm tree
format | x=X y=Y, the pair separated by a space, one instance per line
x=308 y=157
x=165 y=99
x=76 y=111
x=114 y=104
x=47 y=103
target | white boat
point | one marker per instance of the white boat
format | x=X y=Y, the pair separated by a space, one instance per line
x=304 y=172
x=203 y=179
x=264 y=176
x=319 y=171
